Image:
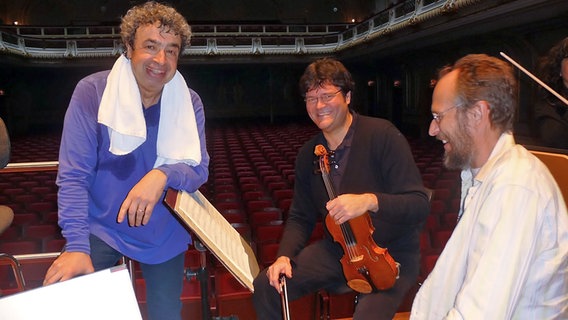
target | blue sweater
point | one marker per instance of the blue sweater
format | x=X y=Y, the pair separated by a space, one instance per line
x=93 y=182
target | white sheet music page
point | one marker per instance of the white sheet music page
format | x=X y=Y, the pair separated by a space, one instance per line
x=216 y=233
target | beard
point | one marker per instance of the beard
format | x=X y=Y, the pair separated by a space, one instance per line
x=460 y=155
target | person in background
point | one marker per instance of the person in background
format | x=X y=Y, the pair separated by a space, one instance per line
x=6 y=213
x=373 y=171
x=129 y=134
x=550 y=112
x=507 y=258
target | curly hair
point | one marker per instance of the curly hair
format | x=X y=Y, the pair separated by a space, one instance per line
x=149 y=13
x=485 y=78
x=549 y=69
x=326 y=71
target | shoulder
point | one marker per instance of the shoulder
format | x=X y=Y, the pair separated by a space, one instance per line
x=518 y=166
x=378 y=131
x=88 y=92
x=195 y=98
x=368 y=124
x=96 y=79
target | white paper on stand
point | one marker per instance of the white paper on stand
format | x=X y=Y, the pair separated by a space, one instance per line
x=106 y=294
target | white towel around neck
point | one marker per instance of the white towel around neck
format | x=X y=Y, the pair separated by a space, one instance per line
x=122 y=112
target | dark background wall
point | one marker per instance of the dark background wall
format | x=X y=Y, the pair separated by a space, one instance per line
x=391 y=82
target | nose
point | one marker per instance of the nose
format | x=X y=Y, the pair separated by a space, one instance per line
x=320 y=103
x=434 y=128
x=160 y=56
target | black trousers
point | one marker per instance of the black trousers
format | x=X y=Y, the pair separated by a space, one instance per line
x=317 y=267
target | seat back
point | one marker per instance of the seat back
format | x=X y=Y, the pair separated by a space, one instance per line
x=557 y=163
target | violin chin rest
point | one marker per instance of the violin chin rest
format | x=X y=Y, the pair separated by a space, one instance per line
x=360 y=285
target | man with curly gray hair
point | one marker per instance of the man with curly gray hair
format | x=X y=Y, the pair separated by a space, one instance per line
x=167 y=18
x=130 y=133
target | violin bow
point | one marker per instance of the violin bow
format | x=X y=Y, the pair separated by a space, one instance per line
x=535 y=78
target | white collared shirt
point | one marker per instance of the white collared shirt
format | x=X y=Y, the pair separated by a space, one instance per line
x=508 y=256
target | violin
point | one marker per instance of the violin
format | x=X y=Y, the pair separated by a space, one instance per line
x=366 y=266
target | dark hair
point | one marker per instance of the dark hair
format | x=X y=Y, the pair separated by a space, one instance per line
x=485 y=78
x=549 y=69
x=149 y=13
x=326 y=71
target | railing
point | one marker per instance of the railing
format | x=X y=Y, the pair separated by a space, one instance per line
x=104 y=41
x=30 y=166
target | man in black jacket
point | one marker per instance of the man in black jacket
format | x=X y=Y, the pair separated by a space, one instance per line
x=373 y=172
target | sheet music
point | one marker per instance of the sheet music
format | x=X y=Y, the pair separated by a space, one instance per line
x=216 y=233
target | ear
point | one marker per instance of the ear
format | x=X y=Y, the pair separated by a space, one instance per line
x=129 y=51
x=480 y=111
x=348 y=97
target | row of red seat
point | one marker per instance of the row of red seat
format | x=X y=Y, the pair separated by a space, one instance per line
x=251 y=183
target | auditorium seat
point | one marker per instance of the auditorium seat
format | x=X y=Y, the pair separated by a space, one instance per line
x=34 y=270
x=444 y=194
x=427 y=263
x=255 y=186
x=336 y=305
x=449 y=221
x=281 y=194
x=22 y=219
x=440 y=237
x=12 y=233
x=233 y=215
x=253 y=195
x=277 y=185
x=25 y=198
x=270 y=232
x=432 y=222
x=264 y=216
x=231 y=297
x=437 y=207
x=55 y=245
x=221 y=181
x=50 y=217
x=220 y=188
x=284 y=205
x=425 y=242
x=226 y=197
x=221 y=206
x=429 y=179
x=248 y=180
x=257 y=205
x=191 y=299
x=11 y=277
x=266 y=254
x=41 y=231
x=451 y=184
x=19 y=247
x=244 y=229
x=41 y=207
x=318 y=232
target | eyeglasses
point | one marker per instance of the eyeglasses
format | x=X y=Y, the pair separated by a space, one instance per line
x=438 y=116
x=325 y=98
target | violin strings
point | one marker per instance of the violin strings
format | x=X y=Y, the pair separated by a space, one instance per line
x=350 y=243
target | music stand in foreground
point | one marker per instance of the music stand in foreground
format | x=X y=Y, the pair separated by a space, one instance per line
x=217 y=235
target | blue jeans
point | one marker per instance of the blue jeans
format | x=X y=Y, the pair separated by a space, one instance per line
x=164 y=281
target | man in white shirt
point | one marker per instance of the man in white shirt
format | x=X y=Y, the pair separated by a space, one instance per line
x=508 y=255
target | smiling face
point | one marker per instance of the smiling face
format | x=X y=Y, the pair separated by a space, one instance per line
x=451 y=126
x=328 y=107
x=154 y=58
